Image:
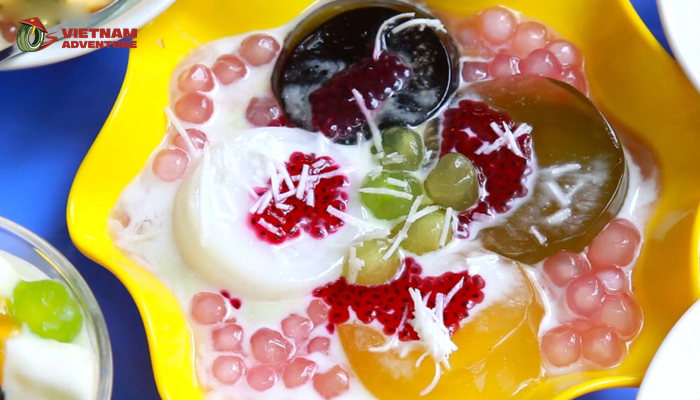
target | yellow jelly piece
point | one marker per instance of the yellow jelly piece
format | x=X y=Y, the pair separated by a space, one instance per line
x=498 y=354
x=8 y=328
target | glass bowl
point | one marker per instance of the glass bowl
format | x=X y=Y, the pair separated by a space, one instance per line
x=127 y=14
x=24 y=244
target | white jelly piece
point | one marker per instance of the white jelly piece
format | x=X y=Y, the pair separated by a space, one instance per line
x=40 y=369
x=211 y=219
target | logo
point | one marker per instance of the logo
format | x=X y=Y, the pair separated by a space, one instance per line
x=32 y=36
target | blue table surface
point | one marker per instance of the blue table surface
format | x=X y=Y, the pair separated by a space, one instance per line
x=39 y=157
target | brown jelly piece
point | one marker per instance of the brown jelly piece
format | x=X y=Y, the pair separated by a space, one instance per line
x=581 y=180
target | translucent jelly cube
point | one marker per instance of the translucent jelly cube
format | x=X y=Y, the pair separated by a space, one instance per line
x=581 y=177
x=498 y=353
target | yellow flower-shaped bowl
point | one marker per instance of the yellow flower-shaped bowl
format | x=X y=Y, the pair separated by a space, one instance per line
x=634 y=81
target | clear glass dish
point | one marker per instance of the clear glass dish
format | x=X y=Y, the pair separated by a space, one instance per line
x=24 y=244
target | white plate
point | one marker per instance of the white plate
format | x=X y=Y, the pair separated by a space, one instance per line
x=136 y=16
x=681 y=21
x=674 y=373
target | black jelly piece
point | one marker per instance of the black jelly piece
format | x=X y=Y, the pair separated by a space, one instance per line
x=340 y=36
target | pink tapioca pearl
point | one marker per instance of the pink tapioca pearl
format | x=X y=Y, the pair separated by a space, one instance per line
x=318 y=312
x=584 y=295
x=298 y=372
x=197 y=78
x=565 y=266
x=541 y=62
x=467 y=34
x=566 y=52
x=497 y=25
x=616 y=245
x=504 y=65
x=475 y=71
x=621 y=313
x=228 y=369
x=228 y=338
x=261 y=377
x=613 y=279
x=561 y=346
x=333 y=383
x=261 y=111
x=170 y=164
x=229 y=68
x=319 y=344
x=602 y=346
x=196 y=108
x=270 y=347
x=197 y=138
x=575 y=78
x=259 y=49
x=208 y=308
x=297 y=328
x=528 y=37
x=580 y=325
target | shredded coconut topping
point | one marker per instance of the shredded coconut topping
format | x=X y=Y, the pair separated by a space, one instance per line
x=266 y=199
x=355 y=265
x=310 y=197
x=432 y=333
x=393 y=158
x=375 y=234
x=559 y=196
x=269 y=227
x=319 y=164
x=505 y=138
x=172 y=118
x=388 y=192
x=564 y=168
x=254 y=208
x=559 y=216
x=274 y=179
x=403 y=233
x=379 y=39
x=285 y=175
x=376 y=135
x=284 y=207
x=422 y=213
x=397 y=182
x=375 y=172
x=422 y=23
x=538 y=235
x=330 y=174
x=445 y=226
x=303 y=180
x=345 y=217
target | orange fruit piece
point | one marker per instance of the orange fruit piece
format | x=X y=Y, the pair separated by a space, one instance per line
x=498 y=352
